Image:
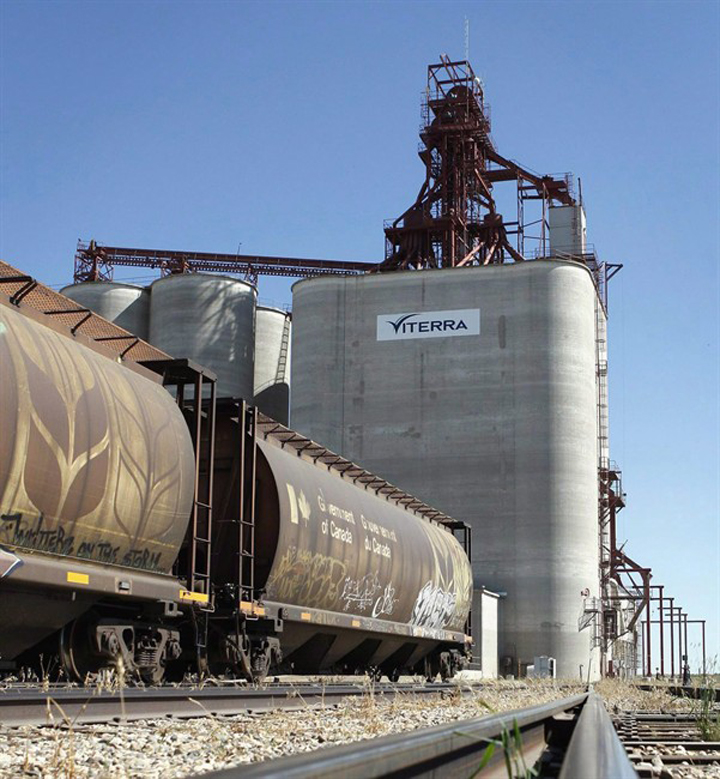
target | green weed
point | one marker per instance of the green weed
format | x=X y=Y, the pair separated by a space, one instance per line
x=510 y=742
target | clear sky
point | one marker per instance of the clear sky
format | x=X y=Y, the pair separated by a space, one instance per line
x=291 y=129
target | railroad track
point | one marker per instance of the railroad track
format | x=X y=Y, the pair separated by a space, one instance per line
x=656 y=741
x=28 y=705
x=571 y=738
x=682 y=691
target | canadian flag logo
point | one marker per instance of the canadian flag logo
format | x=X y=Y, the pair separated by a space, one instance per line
x=299 y=506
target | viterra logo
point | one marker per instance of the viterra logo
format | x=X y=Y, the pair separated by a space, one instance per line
x=428 y=324
x=439 y=325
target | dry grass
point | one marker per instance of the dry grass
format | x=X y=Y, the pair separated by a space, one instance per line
x=621 y=695
x=167 y=748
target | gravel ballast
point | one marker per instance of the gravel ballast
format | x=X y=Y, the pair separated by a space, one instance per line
x=620 y=697
x=177 y=748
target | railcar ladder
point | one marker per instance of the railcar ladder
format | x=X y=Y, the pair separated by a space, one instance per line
x=199 y=574
x=463 y=533
x=246 y=525
x=193 y=565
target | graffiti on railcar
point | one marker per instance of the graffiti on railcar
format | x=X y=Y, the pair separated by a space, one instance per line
x=306 y=577
x=434 y=607
x=36 y=534
x=385 y=604
x=358 y=594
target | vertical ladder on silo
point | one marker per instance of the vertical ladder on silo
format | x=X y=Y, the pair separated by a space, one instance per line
x=281 y=372
x=601 y=369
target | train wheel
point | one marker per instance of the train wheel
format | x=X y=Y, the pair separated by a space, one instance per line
x=394 y=675
x=265 y=653
x=203 y=665
x=261 y=658
x=432 y=668
x=447 y=670
x=154 y=675
x=76 y=650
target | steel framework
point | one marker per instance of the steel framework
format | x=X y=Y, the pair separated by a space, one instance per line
x=95 y=262
x=624 y=584
x=454 y=221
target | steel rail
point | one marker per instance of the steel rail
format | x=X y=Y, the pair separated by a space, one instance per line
x=656 y=741
x=444 y=751
x=683 y=691
x=83 y=705
x=595 y=750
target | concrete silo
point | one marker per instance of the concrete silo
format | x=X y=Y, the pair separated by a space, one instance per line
x=209 y=319
x=475 y=389
x=272 y=362
x=127 y=305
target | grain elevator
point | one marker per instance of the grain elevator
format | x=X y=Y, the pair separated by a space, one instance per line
x=469 y=367
x=466 y=371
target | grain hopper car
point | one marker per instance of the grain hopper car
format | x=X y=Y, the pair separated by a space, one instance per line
x=147 y=525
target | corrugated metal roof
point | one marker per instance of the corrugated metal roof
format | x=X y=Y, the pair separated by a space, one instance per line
x=21 y=288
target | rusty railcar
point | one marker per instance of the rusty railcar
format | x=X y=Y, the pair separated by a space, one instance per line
x=146 y=524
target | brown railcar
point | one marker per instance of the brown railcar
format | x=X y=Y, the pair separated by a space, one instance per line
x=144 y=523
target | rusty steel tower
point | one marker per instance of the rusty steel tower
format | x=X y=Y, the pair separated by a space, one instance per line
x=454 y=221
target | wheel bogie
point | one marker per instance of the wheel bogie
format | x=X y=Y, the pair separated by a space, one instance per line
x=137 y=650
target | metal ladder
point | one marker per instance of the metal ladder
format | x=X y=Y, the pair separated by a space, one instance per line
x=603 y=433
x=246 y=524
x=281 y=371
x=199 y=574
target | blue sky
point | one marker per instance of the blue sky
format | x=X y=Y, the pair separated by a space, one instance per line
x=291 y=129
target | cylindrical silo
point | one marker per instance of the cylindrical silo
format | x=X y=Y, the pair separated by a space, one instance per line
x=127 y=305
x=272 y=362
x=209 y=319
x=473 y=388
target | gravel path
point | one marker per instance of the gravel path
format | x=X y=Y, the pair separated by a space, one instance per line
x=161 y=748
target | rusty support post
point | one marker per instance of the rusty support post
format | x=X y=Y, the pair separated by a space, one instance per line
x=648 y=642
x=680 y=641
x=672 y=639
x=683 y=623
x=700 y=622
x=662 y=633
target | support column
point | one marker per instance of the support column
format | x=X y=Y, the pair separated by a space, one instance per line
x=680 y=641
x=662 y=634
x=648 y=640
x=672 y=639
x=642 y=647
